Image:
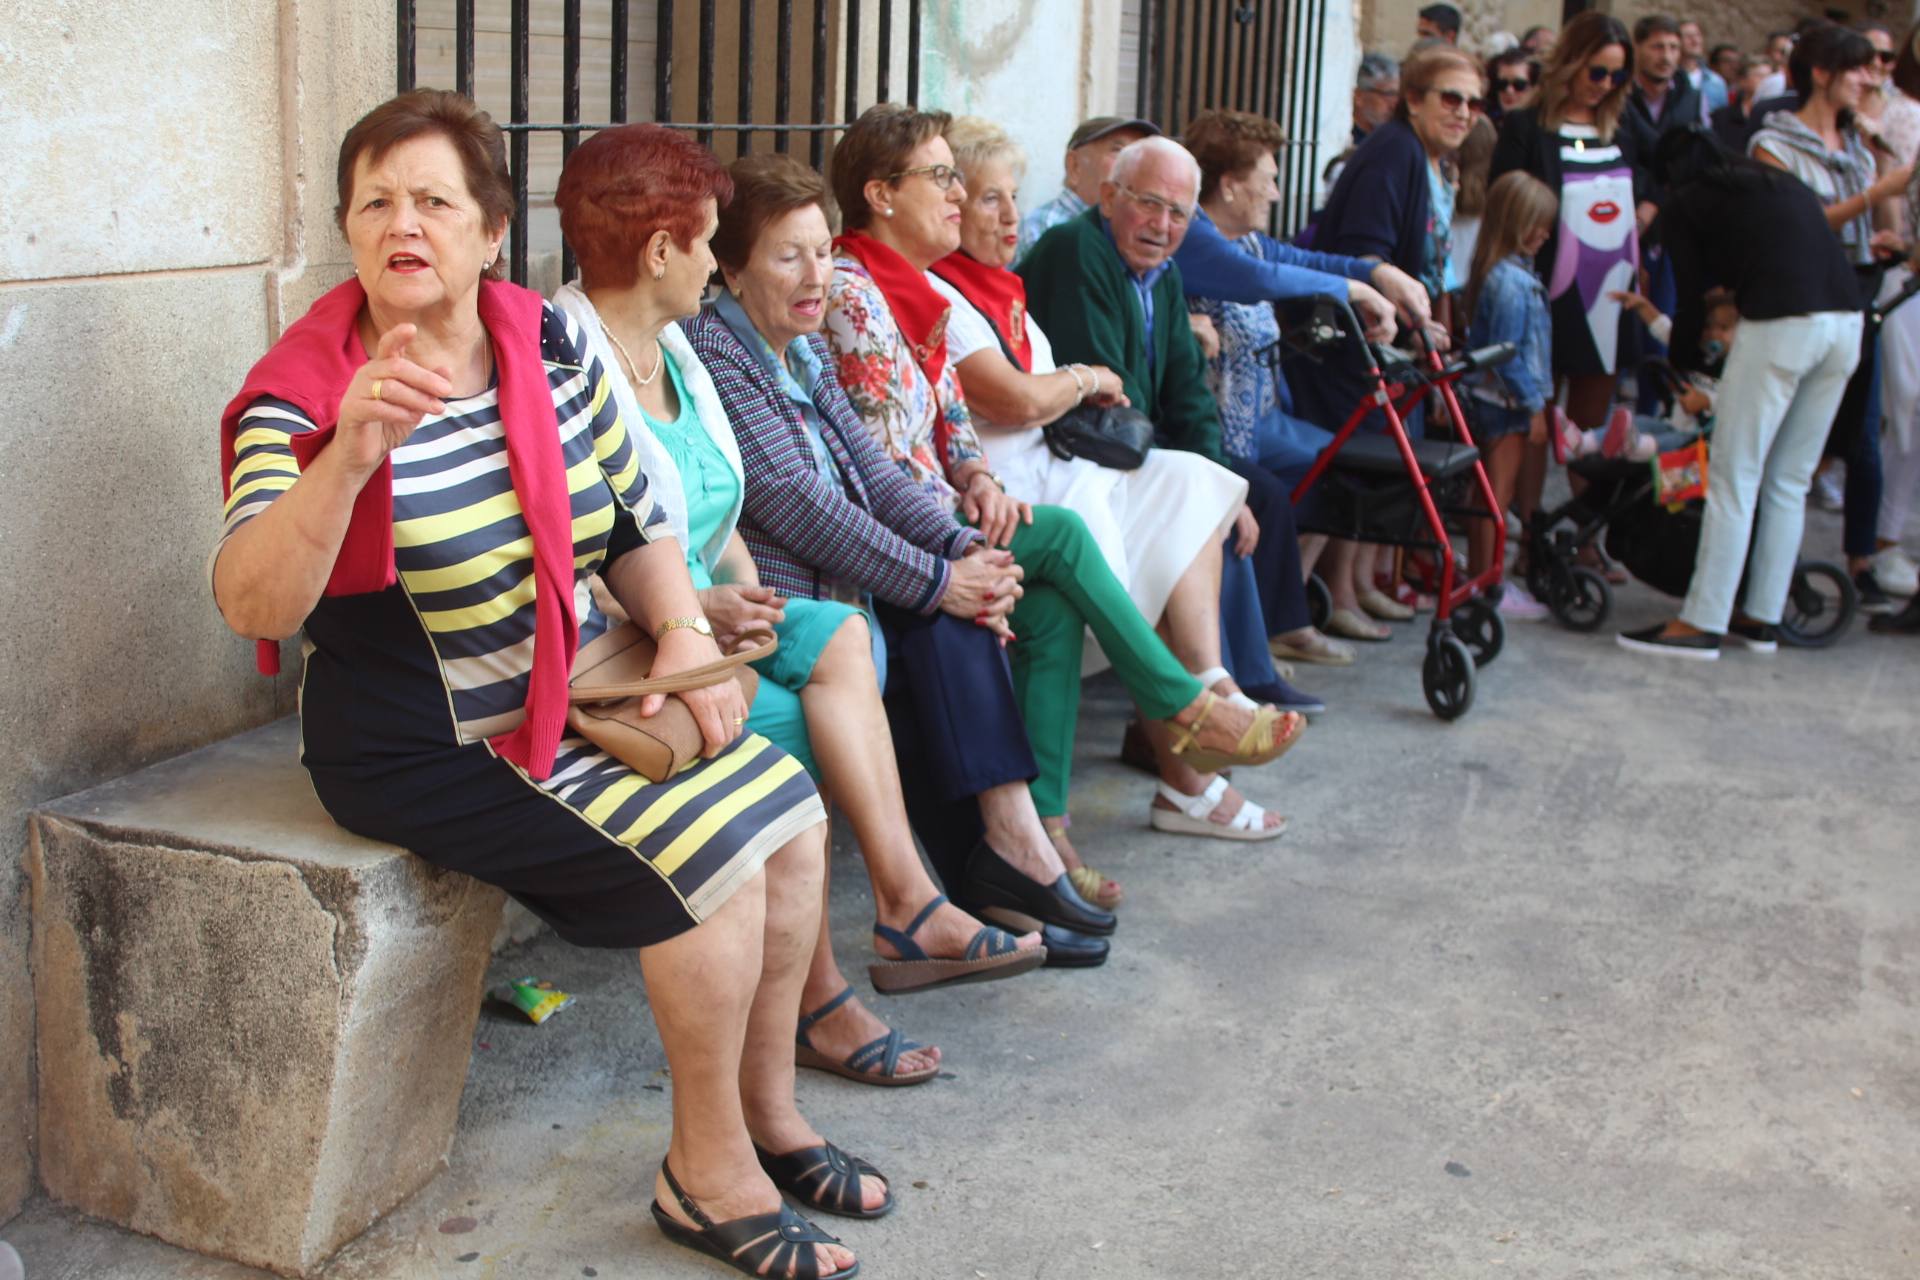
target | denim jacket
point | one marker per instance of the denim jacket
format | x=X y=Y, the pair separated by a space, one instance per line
x=1513 y=308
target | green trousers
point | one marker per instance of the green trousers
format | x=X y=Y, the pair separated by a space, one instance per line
x=1069 y=588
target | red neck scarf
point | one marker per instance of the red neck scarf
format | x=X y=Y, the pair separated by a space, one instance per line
x=311 y=366
x=918 y=309
x=998 y=294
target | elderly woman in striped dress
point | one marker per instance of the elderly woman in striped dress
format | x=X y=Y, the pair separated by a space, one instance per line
x=424 y=474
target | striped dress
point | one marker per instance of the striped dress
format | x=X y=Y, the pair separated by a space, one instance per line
x=402 y=688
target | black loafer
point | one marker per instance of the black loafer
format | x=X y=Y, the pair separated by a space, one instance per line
x=1069 y=950
x=995 y=890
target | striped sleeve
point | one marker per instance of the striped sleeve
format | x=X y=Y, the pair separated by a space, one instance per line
x=641 y=519
x=263 y=462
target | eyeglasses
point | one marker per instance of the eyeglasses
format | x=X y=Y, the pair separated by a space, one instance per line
x=942 y=175
x=1452 y=99
x=1512 y=86
x=1177 y=214
x=1600 y=74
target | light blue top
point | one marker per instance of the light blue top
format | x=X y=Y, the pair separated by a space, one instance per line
x=1062 y=208
x=1439 y=270
x=712 y=489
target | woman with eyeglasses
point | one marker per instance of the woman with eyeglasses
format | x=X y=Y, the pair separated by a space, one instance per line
x=902 y=206
x=1512 y=78
x=1824 y=146
x=1579 y=139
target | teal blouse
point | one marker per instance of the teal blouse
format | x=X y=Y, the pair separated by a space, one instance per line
x=711 y=487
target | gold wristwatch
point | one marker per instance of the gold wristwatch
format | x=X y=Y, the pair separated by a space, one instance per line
x=699 y=624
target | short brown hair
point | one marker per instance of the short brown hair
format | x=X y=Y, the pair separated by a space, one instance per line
x=766 y=187
x=875 y=145
x=622 y=186
x=1228 y=142
x=1426 y=65
x=477 y=140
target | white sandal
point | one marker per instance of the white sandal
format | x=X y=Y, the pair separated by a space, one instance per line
x=1190 y=815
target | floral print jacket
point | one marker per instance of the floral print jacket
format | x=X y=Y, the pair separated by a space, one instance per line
x=888 y=388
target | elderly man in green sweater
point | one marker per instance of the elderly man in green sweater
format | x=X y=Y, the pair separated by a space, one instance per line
x=1104 y=287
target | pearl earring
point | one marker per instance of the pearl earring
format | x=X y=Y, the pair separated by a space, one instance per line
x=886 y=213
x=659 y=275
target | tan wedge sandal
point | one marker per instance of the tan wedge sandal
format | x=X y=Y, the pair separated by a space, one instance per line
x=1270 y=736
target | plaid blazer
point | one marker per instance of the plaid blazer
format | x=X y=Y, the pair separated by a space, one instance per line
x=880 y=533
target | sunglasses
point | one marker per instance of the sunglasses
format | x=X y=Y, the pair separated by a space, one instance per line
x=942 y=176
x=1887 y=57
x=1599 y=74
x=1512 y=86
x=1453 y=99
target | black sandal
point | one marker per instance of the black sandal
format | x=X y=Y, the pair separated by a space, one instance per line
x=748 y=1244
x=824 y=1178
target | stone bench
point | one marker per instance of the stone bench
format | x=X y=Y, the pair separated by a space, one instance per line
x=253 y=1027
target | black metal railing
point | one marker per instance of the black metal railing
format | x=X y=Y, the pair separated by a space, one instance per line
x=808 y=45
x=1262 y=56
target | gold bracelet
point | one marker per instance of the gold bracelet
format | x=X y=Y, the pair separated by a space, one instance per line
x=699 y=624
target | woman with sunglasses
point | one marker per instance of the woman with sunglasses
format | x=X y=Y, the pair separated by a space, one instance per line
x=1512 y=78
x=1579 y=139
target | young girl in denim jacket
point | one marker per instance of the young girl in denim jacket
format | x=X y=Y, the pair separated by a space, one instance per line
x=1509 y=402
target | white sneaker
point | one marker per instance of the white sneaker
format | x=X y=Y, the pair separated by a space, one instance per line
x=1829 y=490
x=1515 y=603
x=1895 y=571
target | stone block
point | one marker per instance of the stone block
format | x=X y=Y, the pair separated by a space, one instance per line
x=253 y=1027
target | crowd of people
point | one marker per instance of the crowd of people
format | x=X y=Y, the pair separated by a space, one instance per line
x=829 y=412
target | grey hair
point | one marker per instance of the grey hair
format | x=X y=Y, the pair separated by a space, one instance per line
x=1376 y=70
x=1136 y=153
x=978 y=142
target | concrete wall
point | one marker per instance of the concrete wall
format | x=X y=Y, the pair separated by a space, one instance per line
x=173 y=209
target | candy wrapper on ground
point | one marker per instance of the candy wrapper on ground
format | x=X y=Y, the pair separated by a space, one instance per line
x=537 y=999
x=1680 y=475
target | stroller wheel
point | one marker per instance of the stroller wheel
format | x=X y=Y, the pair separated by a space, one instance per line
x=1581 y=599
x=1821 y=601
x=1447 y=676
x=1481 y=627
x=1319 y=601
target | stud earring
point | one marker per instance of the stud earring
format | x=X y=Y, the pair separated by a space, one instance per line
x=659 y=275
x=886 y=213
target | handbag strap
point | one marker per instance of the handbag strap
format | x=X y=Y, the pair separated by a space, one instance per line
x=694 y=678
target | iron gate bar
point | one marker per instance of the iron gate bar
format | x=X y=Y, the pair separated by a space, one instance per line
x=1168 y=120
x=1215 y=36
x=782 y=74
x=617 y=76
x=521 y=72
x=746 y=69
x=1143 y=60
x=569 y=104
x=663 y=61
x=913 y=51
x=883 y=54
x=703 y=105
x=463 y=47
x=818 y=152
x=1270 y=91
x=404 y=38
x=852 y=63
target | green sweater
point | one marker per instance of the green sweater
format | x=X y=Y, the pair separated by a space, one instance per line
x=1082 y=294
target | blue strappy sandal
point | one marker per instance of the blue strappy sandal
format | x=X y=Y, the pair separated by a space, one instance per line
x=780 y=1243
x=992 y=953
x=875 y=1062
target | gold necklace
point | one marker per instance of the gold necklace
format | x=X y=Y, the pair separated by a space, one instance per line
x=633 y=370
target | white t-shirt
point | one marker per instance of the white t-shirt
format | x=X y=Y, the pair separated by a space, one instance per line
x=968 y=331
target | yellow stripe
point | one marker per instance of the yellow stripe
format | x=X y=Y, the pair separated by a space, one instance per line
x=594 y=523
x=278 y=484
x=703 y=828
x=471 y=570
x=584 y=474
x=478 y=615
x=608 y=802
x=424 y=531
x=256 y=436
x=668 y=805
x=265 y=460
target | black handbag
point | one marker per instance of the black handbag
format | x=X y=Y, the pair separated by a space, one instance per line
x=1114 y=435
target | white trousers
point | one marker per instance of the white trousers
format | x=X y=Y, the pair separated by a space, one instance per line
x=1784 y=379
x=1900 y=410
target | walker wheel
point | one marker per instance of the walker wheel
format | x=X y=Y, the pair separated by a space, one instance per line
x=1821 y=601
x=1447 y=676
x=1480 y=625
x=1581 y=599
x=1319 y=601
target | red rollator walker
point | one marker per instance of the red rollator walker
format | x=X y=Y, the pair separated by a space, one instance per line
x=1388 y=487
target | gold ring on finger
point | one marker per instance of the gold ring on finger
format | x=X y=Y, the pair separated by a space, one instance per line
x=738 y=721
x=376 y=387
